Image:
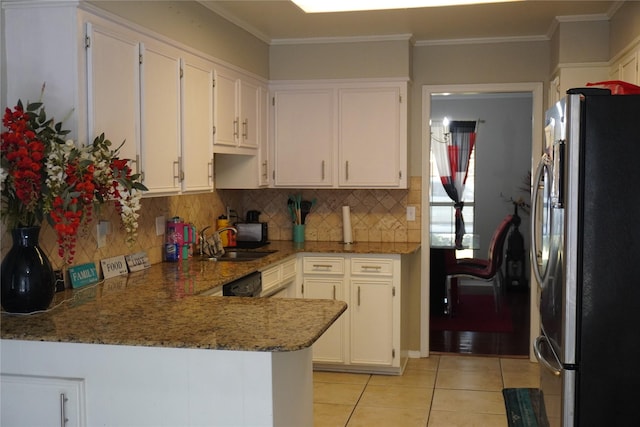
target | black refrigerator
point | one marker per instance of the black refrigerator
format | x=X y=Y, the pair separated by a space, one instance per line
x=586 y=252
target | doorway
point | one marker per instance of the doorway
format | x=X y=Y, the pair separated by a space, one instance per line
x=458 y=94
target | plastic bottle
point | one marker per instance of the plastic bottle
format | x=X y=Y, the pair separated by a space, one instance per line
x=222 y=223
x=171 y=247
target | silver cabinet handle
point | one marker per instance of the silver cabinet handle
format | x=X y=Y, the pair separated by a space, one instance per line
x=236 y=129
x=346 y=170
x=137 y=163
x=334 y=291
x=322 y=170
x=63 y=414
x=358 y=296
x=371 y=267
x=245 y=128
x=176 y=170
x=265 y=172
x=321 y=265
x=210 y=165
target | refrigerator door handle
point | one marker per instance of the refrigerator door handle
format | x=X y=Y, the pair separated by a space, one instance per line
x=537 y=180
x=537 y=351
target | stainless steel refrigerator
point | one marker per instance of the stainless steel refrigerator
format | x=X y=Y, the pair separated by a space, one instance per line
x=586 y=233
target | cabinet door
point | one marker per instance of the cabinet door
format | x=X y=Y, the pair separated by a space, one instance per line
x=263 y=143
x=629 y=69
x=160 y=118
x=249 y=114
x=330 y=346
x=304 y=138
x=370 y=131
x=372 y=321
x=41 y=401
x=226 y=115
x=113 y=81
x=197 y=125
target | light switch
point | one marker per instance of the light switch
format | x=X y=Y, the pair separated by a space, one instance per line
x=102 y=229
x=411 y=213
x=160 y=225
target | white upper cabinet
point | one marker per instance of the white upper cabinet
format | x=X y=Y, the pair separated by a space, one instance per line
x=340 y=134
x=155 y=97
x=304 y=137
x=371 y=133
x=237 y=112
x=241 y=170
x=197 y=124
x=629 y=68
x=160 y=70
x=113 y=87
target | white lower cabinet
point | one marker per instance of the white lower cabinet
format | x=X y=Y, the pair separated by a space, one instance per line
x=330 y=347
x=372 y=322
x=42 y=401
x=278 y=281
x=366 y=337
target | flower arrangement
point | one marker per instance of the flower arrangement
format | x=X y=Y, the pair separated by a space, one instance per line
x=43 y=175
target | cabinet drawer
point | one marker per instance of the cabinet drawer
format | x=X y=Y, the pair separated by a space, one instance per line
x=372 y=266
x=289 y=269
x=323 y=265
x=271 y=277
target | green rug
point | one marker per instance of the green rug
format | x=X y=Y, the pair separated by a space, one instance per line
x=524 y=406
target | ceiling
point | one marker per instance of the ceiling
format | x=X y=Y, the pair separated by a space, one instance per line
x=281 y=21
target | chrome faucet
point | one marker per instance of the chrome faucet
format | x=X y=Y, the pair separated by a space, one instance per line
x=212 y=247
x=203 y=239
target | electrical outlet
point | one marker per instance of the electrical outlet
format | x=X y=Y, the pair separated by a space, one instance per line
x=411 y=213
x=102 y=229
x=160 y=225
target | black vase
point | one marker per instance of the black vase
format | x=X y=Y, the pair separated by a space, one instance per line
x=28 y=281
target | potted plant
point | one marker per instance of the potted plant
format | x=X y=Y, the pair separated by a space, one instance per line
x=44 y=176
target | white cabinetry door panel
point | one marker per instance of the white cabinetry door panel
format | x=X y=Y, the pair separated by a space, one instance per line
x=329 y=347
x=249 y=113
x=197 y=125
x=42 y=401
x=629 y=68
x=160 y=118
x=369 y=141
x=304 y=138
x=226 y=120
x=114 y=87
x=371 y=321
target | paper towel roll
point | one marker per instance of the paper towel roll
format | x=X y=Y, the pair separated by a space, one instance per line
x=346 y=225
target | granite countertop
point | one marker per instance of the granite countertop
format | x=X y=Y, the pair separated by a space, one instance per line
x=161 y=307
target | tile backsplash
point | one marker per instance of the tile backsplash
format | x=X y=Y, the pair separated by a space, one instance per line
x=376 y=216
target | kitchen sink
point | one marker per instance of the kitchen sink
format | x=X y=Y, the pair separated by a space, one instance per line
x=238 y=256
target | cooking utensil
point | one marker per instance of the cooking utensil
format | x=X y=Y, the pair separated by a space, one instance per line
x=305 y=208
x=294 y=208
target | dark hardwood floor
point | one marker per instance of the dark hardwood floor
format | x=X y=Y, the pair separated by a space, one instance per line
x=514 y=344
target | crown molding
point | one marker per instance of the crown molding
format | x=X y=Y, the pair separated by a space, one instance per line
x=350 y=39
x=212 y=6
x=482 y=40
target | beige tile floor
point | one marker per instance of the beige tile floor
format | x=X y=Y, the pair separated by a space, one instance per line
x=439 y=391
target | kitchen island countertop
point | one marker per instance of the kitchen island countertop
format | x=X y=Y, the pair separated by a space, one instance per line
x=161 y=307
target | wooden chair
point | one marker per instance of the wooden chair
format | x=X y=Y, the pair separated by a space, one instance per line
x=481 y=269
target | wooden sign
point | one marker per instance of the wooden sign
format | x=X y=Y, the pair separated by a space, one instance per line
x=83 y=275
x=114 y=266
x=138 y=261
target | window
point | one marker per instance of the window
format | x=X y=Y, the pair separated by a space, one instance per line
x=442 y=211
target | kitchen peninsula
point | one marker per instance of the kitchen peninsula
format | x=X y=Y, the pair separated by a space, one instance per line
x=148 y=349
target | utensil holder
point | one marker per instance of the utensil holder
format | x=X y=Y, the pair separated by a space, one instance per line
x=298 y=233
